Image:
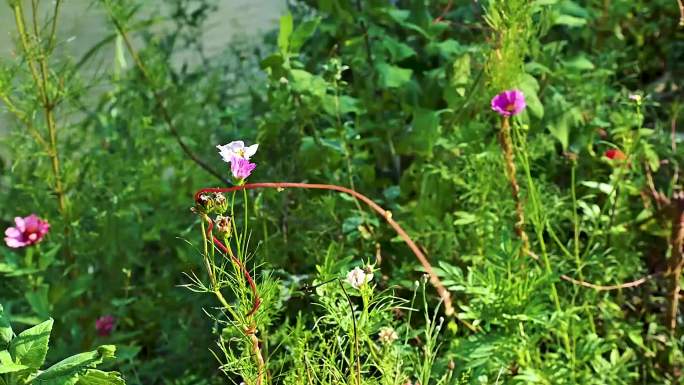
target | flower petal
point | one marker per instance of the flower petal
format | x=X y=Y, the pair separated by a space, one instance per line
x=251 y=150
x=12 y=232
x=14 y=243
x=236 y=145
x=19 y=221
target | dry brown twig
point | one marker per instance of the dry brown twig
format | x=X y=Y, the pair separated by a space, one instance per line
x=625 y=285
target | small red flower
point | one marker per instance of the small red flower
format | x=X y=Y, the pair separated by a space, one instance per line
x=614 y=154
x=104 y=325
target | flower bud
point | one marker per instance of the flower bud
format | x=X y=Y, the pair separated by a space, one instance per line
x=223 y=225
x=387 y=335
x=221 y=202
x=205 y=203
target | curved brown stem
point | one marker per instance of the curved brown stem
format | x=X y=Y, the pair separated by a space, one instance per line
x=434 y=280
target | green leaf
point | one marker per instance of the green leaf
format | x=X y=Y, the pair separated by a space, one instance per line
x=464 y=218
x=31 y=345
x=460 y=77
x=343 y=104
x=286 y=27
x=7 y=365
x=38 y=299
x=67 y=370
x=570 y=21
x=422 y=135
x=302 y=33
x=392 y=76
x=6 y=332
x=98 y=377
x=579 y=63
x=305 y=82
x=529 y=86
x=398 y=50
x=447 y=48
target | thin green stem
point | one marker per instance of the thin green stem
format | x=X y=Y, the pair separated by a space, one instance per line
x=539 y=225
x=576 y=234
x=357 y=355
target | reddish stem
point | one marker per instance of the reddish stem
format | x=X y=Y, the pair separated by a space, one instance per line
x=434 y=280
x=229 y=252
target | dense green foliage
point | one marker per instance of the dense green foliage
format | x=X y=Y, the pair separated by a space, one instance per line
x=392 y=99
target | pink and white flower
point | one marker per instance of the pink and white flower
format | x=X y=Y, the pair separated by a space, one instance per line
x=26 y=232
x=358 y=277
x=237 y=149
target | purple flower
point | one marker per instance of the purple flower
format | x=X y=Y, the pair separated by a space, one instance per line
x=508 y=103
x=241 y=168
x=27 y=231
x=104 y=325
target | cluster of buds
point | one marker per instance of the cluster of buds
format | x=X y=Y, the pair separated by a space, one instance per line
x=211 y=203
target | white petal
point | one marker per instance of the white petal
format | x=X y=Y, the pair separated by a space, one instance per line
x=251 y=150
x=236 y=146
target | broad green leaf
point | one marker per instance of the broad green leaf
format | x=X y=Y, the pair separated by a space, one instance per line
x=6 y=332
x=422 y=135
x=7 y=365
x=67 y=369
x=447 y=48
x=31 y=345
x=98 y=377
x=303 y=81
x=302 y=33
x=392 y=76
x=398 y=50
x=343 y=104
x=529 y=86
x=286 y=26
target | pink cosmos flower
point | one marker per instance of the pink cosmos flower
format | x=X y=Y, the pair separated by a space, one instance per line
x=27 y=231
x=104 y=325
x=509 y=103
x=241 y=168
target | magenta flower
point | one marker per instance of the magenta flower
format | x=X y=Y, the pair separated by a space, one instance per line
x=27 y=231
x=104 y=325
x=508 y=103
x=241 y=168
